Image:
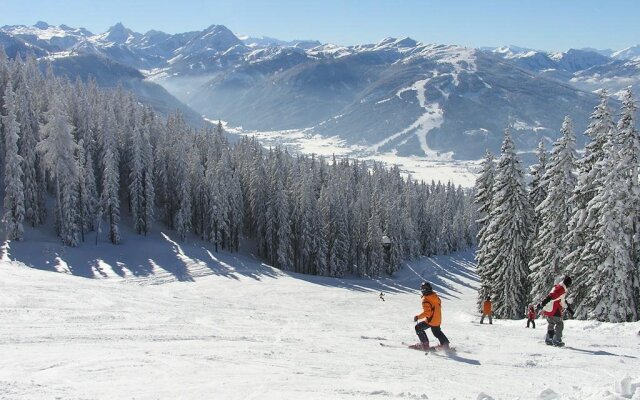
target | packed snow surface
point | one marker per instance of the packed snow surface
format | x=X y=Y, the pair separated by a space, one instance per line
x=177 y=320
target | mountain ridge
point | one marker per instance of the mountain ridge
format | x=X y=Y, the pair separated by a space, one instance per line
x=396 y=95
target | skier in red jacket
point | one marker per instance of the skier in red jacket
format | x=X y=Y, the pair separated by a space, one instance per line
x=531 y=317
x=552 y=307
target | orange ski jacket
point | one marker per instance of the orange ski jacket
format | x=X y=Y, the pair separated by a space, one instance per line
x=486 y=307
x=431 y=309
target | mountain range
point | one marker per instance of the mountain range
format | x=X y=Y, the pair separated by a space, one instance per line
x=397 y=95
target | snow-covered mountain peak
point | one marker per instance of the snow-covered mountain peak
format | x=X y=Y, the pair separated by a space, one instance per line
x=120 y=34
x=41 y=25
x=513 y=51
x=405 y=43
x=43 y=31
x=329 y=50
x=216 y=37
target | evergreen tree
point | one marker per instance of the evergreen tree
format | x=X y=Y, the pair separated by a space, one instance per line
x=537 y=187
x=136 y=179
x=508 y=234
x=611 y=284
x=148 y=205
x=582 y=233
x=182 y=219
x=87 y=191
x=34 y=182
x=13 y=189
x=58 y=150
x=554 y=213
x=110 y=201
x=375 y=252
x=484 y=190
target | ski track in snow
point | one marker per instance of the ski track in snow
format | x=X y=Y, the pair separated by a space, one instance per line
x=432 y=118
x=228 y=326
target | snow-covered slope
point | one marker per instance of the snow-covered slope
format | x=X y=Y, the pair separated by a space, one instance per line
x=198 y=324
x=629 y=53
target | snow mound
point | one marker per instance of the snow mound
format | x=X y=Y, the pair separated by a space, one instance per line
x=548 y=394
x=628 y=388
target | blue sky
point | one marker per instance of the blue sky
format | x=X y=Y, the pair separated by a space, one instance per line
x=540 y=24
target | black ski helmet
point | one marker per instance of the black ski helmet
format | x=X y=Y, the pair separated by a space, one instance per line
x=567 y=281
x=426 y=288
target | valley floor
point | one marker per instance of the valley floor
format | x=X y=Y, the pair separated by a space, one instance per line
x=225 y=326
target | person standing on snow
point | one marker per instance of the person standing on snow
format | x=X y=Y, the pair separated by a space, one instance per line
x=552 y=307
x=487 y=309
x=531 y=317
x=432 y=315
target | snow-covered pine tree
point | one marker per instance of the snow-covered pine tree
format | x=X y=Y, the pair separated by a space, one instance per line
x=578 y=263
x=87 y=191
x=197 y=170
x=484 y=188
x=216 y=193
x=182 y=218
x=630 y=165
x=361 y=206
x=393 y=230
x=610 y=250
x=34 y=182
x=224 y=171
x=375 y=251
x=611 y=287
x=554 y=212
x=282 y=252
x=148 y=206
x=110 y=200
x=410 y=207
x=507 y=235
x=58 y=151
x=4 y=80
x=136 y=180
x=312 y=247
x=13 y=189
x=538 y=190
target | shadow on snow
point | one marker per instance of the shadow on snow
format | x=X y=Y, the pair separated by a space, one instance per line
x=160 y=258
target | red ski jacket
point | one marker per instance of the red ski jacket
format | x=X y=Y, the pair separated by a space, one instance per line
x=532 y=313
x=557 y=303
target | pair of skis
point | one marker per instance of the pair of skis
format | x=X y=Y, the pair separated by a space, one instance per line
x=420 y=347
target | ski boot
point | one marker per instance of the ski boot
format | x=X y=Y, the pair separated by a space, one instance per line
x=549 y=338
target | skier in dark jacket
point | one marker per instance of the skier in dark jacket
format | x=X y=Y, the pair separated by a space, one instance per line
x=432 y=315
x=552 y=307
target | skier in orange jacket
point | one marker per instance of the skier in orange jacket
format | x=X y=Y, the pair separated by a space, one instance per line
x=432 y=315
x=487 y=310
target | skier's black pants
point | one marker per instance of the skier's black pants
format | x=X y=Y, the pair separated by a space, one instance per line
x=531 y=321
x=421 y=327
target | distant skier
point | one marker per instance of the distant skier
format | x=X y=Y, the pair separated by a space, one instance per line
x=432 y=315
x=552 y=307
x=531 y=317
x=487 y=309
x=381 y=296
